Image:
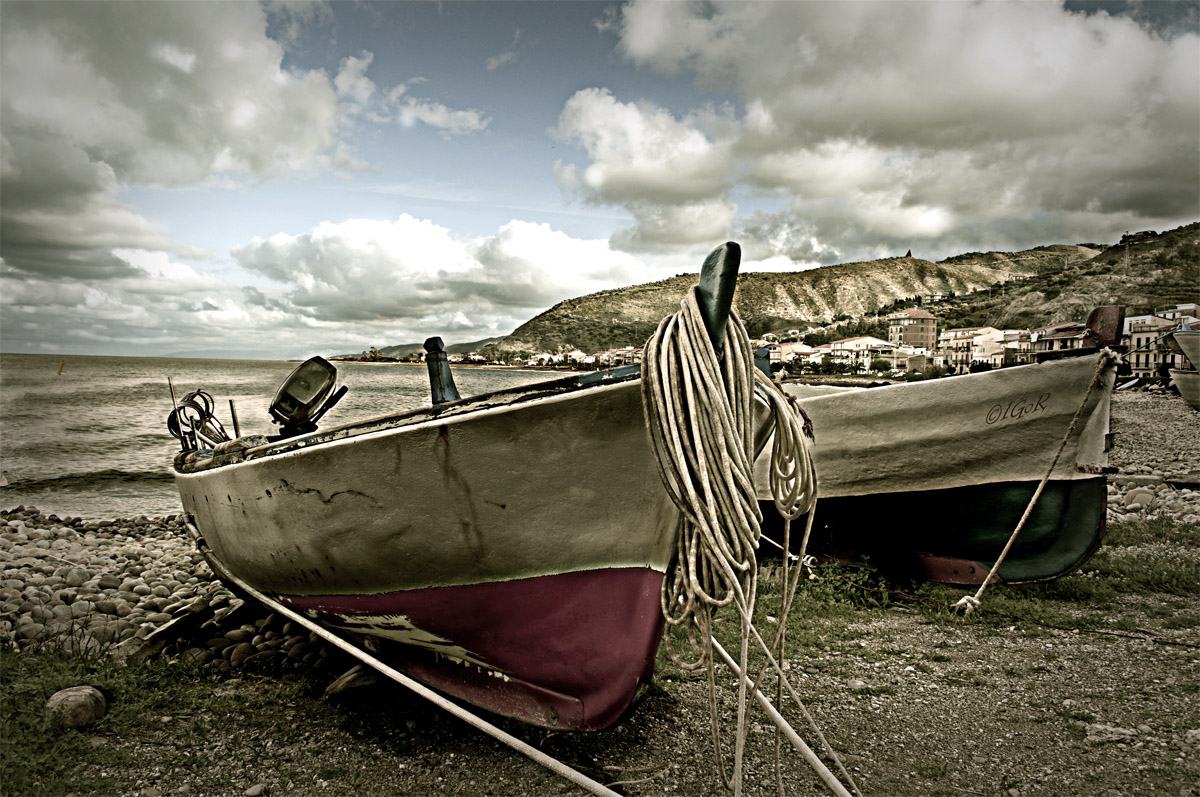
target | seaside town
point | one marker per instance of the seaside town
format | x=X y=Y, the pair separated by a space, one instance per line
x=917 y=345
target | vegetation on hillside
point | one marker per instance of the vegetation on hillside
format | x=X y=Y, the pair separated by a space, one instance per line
x=1142 y=276
x=1024 y=289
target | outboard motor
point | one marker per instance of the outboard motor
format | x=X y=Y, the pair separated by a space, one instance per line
x=306 y=395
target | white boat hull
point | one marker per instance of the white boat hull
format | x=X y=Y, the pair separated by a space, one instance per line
x=507 y=551
x=940 y=471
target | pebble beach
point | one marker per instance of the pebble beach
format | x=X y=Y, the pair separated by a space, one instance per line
x=98 y=586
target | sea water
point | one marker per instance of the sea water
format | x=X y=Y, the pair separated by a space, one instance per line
x=87 y=436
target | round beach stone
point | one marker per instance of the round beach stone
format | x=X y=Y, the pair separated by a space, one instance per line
x=241 y=652
x=77 y=706
x=29 y=631
x=76 y=577
x=238 y=635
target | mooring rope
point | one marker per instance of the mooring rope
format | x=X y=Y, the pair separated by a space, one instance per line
x=969 y=603
x=699 y=416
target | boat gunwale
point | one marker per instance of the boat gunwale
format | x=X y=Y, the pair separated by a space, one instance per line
x=475 y=406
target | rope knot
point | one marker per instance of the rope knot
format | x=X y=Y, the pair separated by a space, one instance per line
x=967 y=603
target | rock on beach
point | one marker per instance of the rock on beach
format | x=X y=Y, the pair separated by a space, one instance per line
x=77 y=706
x=104 y=587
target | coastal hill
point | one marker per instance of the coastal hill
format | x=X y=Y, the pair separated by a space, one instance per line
x=1023 y=289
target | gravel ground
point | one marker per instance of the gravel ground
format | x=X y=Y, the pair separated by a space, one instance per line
x=913 y=707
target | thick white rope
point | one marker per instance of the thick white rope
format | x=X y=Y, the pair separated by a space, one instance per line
x=699 y=416
x=805 y=751
x=969 y=603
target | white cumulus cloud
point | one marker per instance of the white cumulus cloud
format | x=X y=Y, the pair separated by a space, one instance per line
x=884 y=125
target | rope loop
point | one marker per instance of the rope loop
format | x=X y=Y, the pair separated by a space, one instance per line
x=700 y=417
x=967 y=603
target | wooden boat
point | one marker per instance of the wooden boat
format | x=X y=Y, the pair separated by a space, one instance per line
x=930 y=478
x=1186 y=341
x=507 y=549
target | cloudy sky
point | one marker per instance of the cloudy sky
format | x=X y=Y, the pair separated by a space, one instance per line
x=282 y=179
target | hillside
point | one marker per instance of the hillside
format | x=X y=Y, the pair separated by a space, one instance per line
x=769 y=300
x=1024 y=289
x=1157 y=272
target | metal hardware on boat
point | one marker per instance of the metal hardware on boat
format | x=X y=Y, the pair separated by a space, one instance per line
x=441 y=380
x=192 y=422
x=305 y=396
x=718 y=279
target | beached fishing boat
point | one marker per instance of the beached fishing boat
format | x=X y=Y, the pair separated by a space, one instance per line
x=932 y=477
x=507 y=549
x=1186 y=341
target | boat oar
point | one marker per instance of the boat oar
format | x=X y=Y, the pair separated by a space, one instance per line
x=553 y=764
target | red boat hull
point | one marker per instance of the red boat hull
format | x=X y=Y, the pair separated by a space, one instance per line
x=569 y=650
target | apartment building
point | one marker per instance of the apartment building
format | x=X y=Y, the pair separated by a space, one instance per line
x=1058 y=337
x=955 y=345
x=913 y=327
x=1145 y=336
x=1003 y=348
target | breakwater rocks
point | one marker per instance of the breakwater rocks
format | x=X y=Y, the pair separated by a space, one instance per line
x=119 y=587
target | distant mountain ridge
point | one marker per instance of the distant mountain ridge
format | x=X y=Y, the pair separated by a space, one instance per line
x=1024 y=289
x=402 y=350
x=773 y=300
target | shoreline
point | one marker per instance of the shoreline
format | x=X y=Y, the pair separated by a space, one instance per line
x=916 y=704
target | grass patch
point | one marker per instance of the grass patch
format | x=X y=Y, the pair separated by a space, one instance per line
x=37 y=754
x=858 y=585
x=1149 y=568
x=157 y=705
x=1182 y=620
x=1160 y=529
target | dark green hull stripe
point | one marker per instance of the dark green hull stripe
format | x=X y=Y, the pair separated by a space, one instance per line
x=902 y=531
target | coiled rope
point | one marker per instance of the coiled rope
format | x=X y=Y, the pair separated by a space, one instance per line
x=700 y=418
x=192 y=421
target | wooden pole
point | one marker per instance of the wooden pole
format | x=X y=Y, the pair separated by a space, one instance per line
x=441 y=380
